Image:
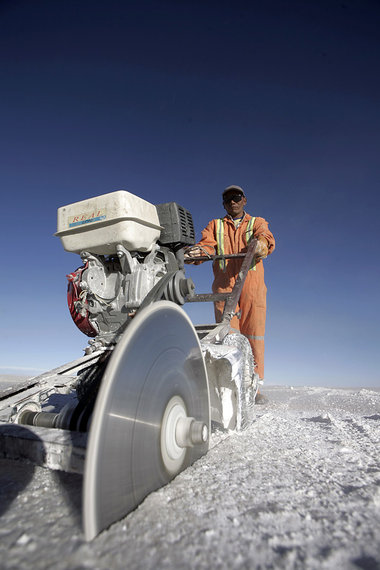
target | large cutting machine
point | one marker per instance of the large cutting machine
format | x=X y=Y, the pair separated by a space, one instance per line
x=139 y=406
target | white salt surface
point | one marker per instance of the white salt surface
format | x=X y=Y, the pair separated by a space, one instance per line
x=299 y=489
x=11 y=380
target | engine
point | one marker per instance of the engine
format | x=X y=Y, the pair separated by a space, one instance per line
x=132 y=254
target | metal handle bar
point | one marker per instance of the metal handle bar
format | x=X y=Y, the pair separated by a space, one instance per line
x=212 y=257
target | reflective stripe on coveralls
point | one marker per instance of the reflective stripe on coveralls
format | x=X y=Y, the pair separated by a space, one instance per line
x=248 y=236
x=220 y=241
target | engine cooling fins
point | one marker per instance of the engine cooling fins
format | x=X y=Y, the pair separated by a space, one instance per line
x=151 y=418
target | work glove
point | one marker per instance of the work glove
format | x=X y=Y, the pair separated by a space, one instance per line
x=261 y=250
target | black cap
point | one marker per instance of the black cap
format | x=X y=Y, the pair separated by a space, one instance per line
x=233 y=188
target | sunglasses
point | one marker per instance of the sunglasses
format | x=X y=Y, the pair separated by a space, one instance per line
x=236 y=198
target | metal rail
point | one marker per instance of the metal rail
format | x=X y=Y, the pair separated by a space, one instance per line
x=213 y=257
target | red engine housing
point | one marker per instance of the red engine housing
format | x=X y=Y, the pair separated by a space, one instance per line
x=74 y=294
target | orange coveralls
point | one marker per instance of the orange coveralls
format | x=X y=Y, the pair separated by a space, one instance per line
x=252 y=302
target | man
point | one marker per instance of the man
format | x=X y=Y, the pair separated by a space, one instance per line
x=231 y=234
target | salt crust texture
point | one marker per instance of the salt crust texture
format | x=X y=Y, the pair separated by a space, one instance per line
x=300 y=488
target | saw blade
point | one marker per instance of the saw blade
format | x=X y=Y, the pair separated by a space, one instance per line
x=155 y=381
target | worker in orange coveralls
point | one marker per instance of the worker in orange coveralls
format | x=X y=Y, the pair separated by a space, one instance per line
x=231 y=234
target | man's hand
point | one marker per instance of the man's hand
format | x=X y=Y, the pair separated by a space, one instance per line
x=190 y=252
x=261 y=250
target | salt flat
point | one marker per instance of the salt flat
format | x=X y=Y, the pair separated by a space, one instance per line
x=300 y=488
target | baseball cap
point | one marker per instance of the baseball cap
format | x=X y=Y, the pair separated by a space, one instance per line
x=233 y=188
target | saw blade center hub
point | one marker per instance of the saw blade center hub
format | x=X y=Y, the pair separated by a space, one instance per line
x=172 y=453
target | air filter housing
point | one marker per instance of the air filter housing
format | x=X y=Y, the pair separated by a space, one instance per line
x=177 y=224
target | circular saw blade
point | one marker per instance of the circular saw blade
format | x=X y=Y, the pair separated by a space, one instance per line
x=156 y=364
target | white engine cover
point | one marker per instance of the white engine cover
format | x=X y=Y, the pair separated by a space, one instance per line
x=99 y=224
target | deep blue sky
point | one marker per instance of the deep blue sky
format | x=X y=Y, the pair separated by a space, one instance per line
x=174 y=100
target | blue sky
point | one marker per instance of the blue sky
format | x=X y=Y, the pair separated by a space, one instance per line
x=175 y=100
